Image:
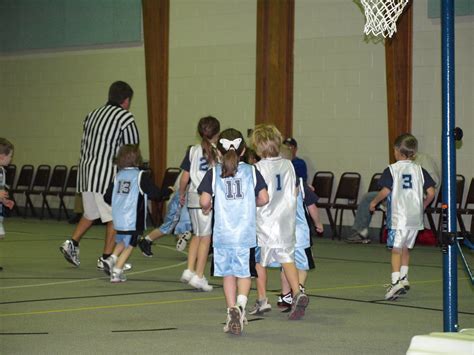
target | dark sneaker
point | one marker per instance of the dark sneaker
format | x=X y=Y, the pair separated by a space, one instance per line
x=284 y=301
x=145 y=247
x=357 y=238
x=298 y=307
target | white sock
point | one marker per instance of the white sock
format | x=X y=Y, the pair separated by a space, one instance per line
x=148 y=238
x=242 y=301
x=364 y=232
x=404 y=271
x=395 y=277
x=117 y=270
x=114 y=257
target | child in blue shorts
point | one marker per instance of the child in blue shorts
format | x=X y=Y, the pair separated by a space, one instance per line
x=128 y=196
x=176 y=221
x=237 y=188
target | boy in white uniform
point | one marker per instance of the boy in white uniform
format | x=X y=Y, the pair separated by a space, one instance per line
x=404 y=184
x=276 y=220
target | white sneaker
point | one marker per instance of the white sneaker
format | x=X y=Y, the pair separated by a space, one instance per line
x=406 y=284
x=187 y=276
x=260 y=307
x=107 y=264
x=200 y=283
x=100 y=265
x=116 y=277
x=394 y=290
x=70 y=252
x=183 y=240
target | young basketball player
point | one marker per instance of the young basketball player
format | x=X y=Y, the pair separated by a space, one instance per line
x=276 y=220
x=237 y=189
x=199 y=158
x=404 y=184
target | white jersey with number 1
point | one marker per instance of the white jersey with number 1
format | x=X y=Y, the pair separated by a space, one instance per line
x=276 y=220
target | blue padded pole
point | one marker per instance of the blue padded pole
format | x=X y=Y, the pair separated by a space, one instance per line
x=450 y=279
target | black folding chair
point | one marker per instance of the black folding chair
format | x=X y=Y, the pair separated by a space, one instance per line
x=322 y=184
x=347 y=194
x=55 y=187
x=11 y=174
x=68 y=191
x=23 y=184
x=38 y=187
x=467 y=209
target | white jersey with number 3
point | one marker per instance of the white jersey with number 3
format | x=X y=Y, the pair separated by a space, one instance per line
x=406 y=200
x=276 y=220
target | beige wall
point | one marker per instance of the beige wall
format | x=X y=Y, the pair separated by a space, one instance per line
x=212 y=68
x=45 y=98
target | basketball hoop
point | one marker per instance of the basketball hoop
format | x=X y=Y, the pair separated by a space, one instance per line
x=381 y=16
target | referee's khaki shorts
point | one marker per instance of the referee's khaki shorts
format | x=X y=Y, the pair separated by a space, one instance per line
x=95 y=207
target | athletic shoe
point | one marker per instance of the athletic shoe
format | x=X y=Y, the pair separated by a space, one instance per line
x=200 y=283
x=145 y=247
x=183 y=240
x=406 y=284
x=357 y=238
x=394 y=290
x=100 y=265
x=260 y=307
x=235 y=324
x=284 y=301
x=107 y=264
x=116 y=277
x=70 y=252
x=187 y=276
x=298 y=307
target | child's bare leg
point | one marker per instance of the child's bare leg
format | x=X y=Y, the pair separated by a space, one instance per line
x=243 y=289
x=292 y=276
x=302 y=275
x=405 y=256
x=230 y=288
x=118 y=249
x=396 y=259
x=285 y=286
x=261 y=281
x=122 y=259
x=192 y=253
x=202 y=254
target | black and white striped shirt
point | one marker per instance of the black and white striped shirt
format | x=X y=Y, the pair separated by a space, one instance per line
x=106 y=129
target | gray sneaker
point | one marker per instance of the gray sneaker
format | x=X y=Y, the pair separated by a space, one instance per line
x=260 y=307
x=70 y=252
x=357 y=238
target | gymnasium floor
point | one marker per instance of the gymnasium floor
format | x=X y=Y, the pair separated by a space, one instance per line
x=50 y=307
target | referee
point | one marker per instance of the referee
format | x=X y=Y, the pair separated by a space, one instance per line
x=105 y=130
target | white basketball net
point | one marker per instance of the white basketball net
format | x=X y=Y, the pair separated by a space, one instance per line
x=382 y=15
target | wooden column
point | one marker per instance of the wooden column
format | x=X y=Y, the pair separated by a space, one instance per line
x=156 y=37
x=399 y=65
x=274 y=87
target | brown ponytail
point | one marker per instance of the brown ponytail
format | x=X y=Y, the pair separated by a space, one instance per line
x=230 y=151
x=208 y=127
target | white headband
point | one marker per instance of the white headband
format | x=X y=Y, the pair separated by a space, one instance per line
x=227 y=144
